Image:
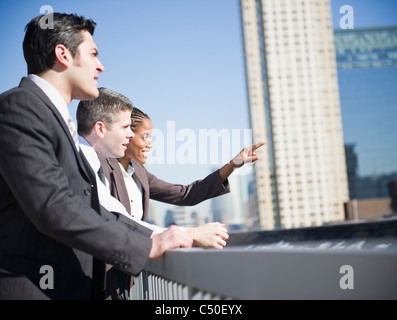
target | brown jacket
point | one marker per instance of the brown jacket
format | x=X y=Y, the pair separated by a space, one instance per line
x=156 y=189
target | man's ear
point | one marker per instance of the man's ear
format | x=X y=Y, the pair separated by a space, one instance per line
x=100 y=129
x=63 y=55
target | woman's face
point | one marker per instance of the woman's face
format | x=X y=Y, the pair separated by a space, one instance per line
x=139 y=146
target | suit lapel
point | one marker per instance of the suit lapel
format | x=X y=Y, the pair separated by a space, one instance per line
x=139 y=175
x=117 y=185
x=30 y=85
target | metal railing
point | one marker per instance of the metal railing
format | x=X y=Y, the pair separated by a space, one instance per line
x=151 y=286
x=343 y=261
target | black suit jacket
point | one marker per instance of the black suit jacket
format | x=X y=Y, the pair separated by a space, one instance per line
x=49 y=209
x=157 y=189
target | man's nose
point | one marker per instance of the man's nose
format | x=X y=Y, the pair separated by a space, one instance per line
x=130 y=133
x=100 y=66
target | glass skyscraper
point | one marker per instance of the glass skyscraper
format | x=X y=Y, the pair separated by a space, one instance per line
x=367 y=73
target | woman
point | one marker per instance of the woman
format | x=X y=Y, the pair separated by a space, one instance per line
x=134 y=193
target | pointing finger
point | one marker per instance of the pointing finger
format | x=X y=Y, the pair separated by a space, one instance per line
x=258 y=145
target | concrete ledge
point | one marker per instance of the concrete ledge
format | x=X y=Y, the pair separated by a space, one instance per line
x=349 y=261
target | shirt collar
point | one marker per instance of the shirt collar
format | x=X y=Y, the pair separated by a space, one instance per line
x=131 y=169
x=90 y=153
x=53 y=94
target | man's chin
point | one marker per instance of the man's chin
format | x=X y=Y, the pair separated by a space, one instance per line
x=119 y=155
x=93 y=96
x=88 y=96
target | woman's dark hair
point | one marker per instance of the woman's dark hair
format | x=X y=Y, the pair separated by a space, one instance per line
x=137 y=117
x=39 y=43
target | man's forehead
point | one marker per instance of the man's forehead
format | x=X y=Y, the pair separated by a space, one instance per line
x=124 y=115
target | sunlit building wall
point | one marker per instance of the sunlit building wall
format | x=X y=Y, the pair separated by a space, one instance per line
x=293 y=99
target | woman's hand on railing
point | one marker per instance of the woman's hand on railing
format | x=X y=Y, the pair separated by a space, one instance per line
x=210 y=235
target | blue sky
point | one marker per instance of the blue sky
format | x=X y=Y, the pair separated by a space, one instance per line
x=178 y=60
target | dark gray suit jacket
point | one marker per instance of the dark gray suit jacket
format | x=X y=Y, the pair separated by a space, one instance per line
x=49 y=209
x=156 y=189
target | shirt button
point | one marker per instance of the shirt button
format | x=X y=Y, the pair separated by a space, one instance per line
x=87 y=192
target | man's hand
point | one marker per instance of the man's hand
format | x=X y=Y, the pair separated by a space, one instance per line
x=171 y=238
x=210 y=235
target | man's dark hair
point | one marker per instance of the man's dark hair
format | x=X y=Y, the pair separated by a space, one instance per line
x=105 y=108
x=39 y=43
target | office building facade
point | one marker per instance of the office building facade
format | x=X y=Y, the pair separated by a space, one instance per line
x=293 y=99
x=367 y=74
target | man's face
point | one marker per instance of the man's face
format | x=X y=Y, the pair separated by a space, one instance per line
x=85 y=70
x=116 y=138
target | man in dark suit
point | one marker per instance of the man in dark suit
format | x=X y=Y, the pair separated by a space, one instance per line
x=54 y=236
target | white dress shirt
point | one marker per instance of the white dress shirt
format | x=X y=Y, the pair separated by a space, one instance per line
x=53 y=94
x=134 y=190
x=55 y=97
x=105 y=198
